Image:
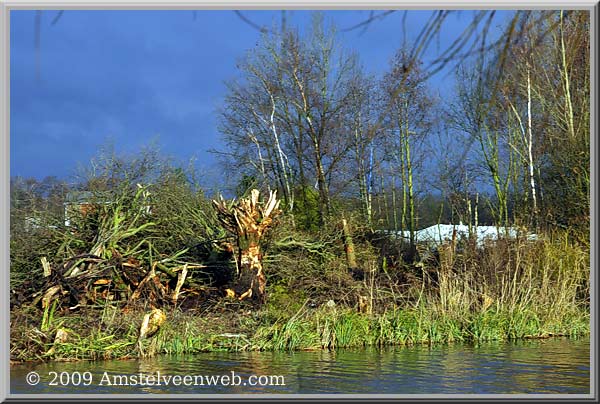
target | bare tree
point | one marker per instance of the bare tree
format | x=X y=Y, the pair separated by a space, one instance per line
x=408 y=121
x=295 y=99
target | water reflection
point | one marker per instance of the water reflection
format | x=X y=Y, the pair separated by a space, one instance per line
x=542 y=366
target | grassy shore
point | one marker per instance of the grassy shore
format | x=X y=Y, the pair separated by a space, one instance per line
x=114 y=335
x=510 y=290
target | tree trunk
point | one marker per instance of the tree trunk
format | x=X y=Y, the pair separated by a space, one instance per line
x=349 y=246
x=248 y=221
x=252 y=281
x=324 y=204
x=530 y=154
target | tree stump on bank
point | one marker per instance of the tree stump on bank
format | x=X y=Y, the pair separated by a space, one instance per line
x=248 y=221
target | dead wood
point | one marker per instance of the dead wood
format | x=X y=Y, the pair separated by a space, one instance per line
x=248 y=221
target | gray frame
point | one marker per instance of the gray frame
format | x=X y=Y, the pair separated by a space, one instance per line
x=7 y=6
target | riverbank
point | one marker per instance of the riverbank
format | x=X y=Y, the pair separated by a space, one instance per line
x=513 y=289
x=111 y=334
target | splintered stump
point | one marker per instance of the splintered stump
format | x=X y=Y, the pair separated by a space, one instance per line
x=252 y=281
x=248 y=221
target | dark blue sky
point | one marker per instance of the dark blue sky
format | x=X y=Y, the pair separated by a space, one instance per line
x=135 y=76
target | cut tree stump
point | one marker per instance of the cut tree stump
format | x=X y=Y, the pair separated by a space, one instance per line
x=248 y=221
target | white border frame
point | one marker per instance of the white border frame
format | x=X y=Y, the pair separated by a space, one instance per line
x=6 y=6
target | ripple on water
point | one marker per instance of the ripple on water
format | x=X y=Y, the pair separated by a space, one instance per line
x=549 y=366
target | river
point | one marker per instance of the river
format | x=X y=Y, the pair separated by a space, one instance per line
x=558 y=366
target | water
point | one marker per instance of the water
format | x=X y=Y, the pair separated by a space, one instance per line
x=558 y=366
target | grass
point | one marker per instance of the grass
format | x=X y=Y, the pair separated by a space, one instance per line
x=315 y=329
x=406 y=327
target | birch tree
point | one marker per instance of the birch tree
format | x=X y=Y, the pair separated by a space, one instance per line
x=408 y=121
x=288 y=115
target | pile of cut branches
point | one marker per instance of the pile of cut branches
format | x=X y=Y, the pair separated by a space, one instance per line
x=119 y=263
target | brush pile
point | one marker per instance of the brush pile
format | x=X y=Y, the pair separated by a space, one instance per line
x=120 y=262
